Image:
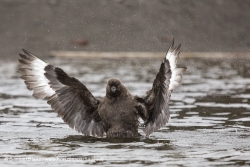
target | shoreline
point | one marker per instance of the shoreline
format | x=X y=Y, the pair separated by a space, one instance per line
x=83 y=54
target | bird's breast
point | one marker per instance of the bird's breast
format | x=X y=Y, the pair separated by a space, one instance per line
x=119 y=117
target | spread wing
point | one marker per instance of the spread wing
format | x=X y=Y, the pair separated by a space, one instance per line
x=67 y=96
x=155 y=110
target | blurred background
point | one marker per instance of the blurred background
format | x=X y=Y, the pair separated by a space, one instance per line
x=123 y=25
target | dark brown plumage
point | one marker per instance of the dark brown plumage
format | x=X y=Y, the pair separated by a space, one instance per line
x=116 y=114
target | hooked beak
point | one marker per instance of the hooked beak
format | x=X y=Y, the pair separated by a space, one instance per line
x=113 y=89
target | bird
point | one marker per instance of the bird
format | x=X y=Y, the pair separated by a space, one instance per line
x=117 y=114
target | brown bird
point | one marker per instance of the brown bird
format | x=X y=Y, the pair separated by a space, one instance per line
x=114 y=115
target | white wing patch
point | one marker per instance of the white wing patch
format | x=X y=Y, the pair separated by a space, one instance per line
x=176 y=76
x=32 y=70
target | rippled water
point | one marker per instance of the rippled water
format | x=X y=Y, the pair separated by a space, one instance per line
x=209 y=126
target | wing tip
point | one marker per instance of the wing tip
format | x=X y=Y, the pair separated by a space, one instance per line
x=173 y=50
x=28 y=55
x=26 y=52
x=171 y=44
x=177 y=48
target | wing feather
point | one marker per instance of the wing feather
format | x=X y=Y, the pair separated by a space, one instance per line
x=157 y=99
x=66 y=95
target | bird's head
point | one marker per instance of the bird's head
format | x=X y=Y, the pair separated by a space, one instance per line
x=115 y=88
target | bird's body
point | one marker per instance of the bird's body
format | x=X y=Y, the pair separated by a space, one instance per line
x=119 y=116
x=114 y=115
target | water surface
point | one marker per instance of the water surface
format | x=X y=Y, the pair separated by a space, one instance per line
x=209 y=125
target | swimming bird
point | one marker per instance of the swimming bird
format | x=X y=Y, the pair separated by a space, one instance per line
x=114 y=115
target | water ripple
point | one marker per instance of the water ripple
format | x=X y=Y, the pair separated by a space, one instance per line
x=209 y=125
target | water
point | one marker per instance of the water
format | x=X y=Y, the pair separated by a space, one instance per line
x=209 y=125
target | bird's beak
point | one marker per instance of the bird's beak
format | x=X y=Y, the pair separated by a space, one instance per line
x=113 y=89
